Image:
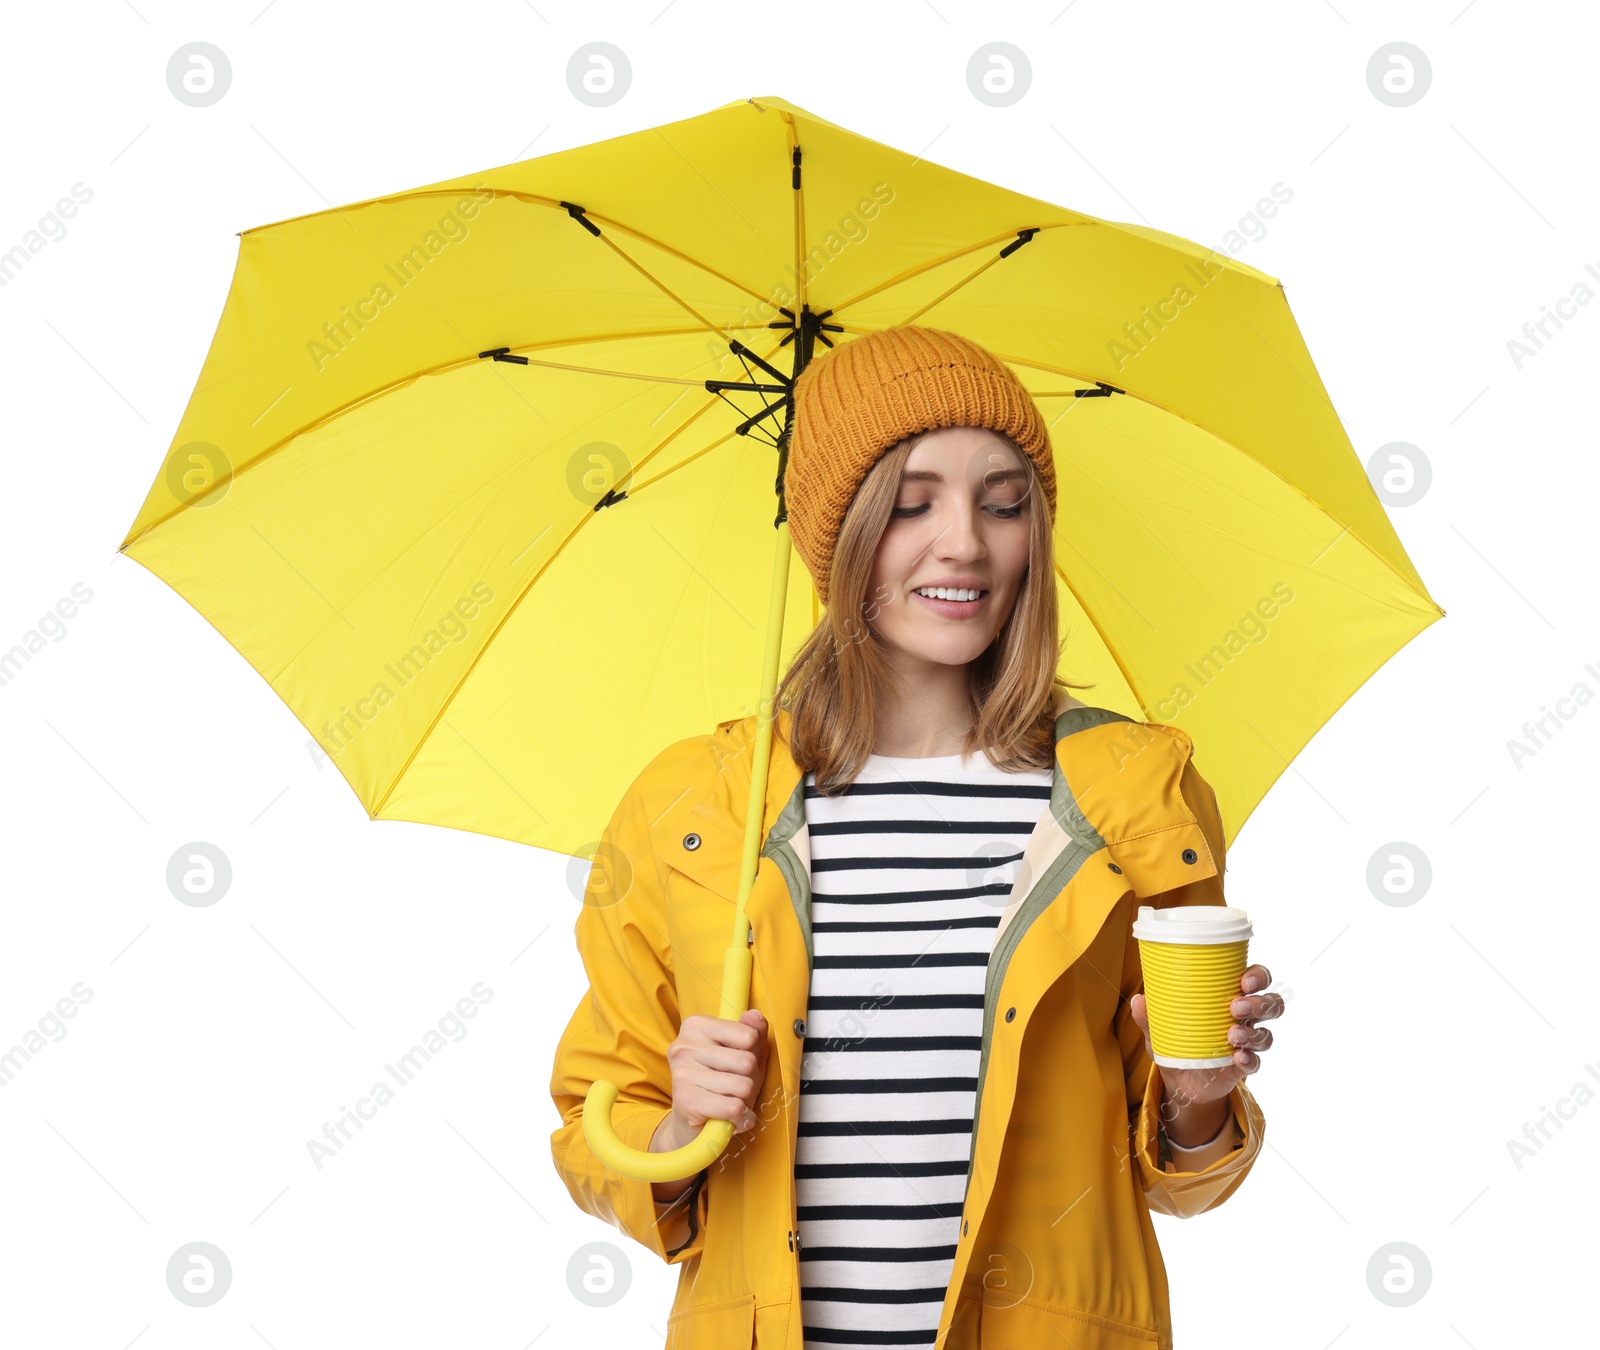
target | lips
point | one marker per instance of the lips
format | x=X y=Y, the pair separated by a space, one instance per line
x=953 y=609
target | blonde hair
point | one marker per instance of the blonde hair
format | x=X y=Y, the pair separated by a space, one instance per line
x=830 y=688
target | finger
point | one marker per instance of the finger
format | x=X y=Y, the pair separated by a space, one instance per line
x=727 y=1060
x=725 y=1086
x=1247 y=1060
x=1256 y=1007
x=739 y=1035
x=702 y=1030
x=1250 y=1037
x=1140 y=1011
x=1255 y=979
x=732 y=1109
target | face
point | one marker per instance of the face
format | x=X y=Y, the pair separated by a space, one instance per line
x=960 y=522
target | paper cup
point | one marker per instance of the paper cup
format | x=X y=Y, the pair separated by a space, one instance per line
x=1194 y=957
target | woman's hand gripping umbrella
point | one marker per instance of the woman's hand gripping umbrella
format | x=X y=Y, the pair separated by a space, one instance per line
x=714 y=1135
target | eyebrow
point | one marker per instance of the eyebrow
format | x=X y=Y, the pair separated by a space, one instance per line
x=991 y=477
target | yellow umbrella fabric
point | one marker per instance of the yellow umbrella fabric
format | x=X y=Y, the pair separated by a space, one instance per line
x=402 y=535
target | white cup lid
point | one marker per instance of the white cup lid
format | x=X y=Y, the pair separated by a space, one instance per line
x=1191 y=923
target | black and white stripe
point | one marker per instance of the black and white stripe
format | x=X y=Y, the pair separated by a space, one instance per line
x=910 y=871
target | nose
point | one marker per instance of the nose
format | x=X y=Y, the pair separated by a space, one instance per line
x=959 y=538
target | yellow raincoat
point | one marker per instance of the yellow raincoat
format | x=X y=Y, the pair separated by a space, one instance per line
x=1055 y=1234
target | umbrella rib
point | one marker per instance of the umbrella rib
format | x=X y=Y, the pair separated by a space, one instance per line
x=744 y=428
x=767 y=410
x=664 y=288
x=531 y=199
x=909 y=273
x=1127 y=675
x=971 y=276
x=488 y=642
x=596 y=370
x=798 y=194
x=662 y=445
x=682 y=463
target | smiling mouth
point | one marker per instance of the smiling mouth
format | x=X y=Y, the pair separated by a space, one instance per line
x=954 y=609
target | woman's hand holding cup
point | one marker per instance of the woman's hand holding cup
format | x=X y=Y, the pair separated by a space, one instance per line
x=1186 y=1087
x=1206 y=1004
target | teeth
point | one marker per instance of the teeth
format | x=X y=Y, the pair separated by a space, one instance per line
x=946 y=593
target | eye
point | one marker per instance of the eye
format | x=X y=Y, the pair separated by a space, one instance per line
x=910 y=512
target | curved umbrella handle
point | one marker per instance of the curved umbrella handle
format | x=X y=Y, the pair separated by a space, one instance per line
x=714 y=1135
x=736 y=961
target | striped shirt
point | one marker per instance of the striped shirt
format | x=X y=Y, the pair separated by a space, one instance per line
x=911 y=868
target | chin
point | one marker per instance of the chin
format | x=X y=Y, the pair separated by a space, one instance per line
x=947 y=653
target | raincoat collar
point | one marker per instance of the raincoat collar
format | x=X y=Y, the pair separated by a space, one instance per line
x=714 y=806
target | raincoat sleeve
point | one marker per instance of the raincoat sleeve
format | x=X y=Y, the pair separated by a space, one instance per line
x=1167 y=1188
x=620 y=1031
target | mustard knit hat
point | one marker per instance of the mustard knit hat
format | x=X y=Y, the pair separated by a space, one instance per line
x=856 y=400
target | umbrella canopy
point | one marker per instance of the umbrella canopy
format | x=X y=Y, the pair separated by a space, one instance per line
x=480 y=476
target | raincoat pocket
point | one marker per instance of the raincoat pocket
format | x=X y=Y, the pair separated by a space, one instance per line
x=1031 y=1323
x=721 y=1324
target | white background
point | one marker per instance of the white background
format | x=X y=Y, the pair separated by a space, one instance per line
x=176 y=1105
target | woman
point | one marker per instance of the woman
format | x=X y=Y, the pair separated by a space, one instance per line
x=957 y=847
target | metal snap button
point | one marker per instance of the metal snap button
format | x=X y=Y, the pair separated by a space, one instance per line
x=963 y=1228
x=1011 y=1014
x=1189 y=855
x=691 y=842
x=1115 y=868
x=799 y=1026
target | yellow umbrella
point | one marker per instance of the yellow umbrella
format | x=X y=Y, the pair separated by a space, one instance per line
x=482 y=476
